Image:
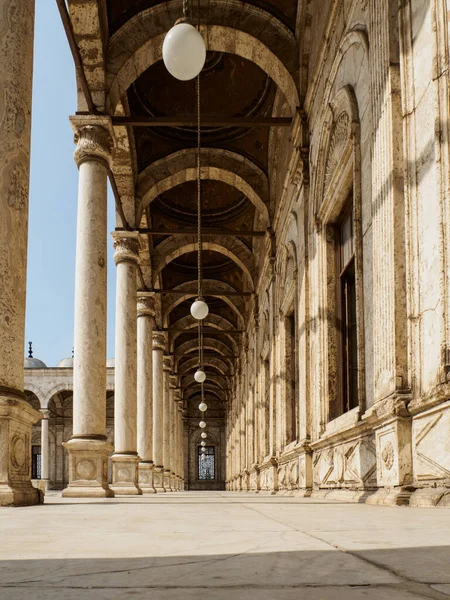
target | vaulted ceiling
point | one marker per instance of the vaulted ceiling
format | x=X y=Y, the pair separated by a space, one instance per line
x=235 y=82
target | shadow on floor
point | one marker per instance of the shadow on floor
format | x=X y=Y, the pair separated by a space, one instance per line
x=382 y=574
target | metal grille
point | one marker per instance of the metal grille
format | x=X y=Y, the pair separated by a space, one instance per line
x=206 y=467
x=36 y=462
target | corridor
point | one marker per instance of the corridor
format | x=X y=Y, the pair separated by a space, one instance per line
x=212 y=546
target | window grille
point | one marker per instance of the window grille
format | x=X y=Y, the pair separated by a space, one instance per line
x=35 y=462
x=206 y=467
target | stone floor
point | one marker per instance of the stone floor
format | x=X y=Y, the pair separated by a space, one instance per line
x=221 y=545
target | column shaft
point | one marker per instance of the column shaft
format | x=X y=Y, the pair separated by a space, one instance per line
x=166 y=422
x=44 y=445
x=146 y=315
x=172 y=429
x=158 y=409
x=88 y=449
x=125 y=459
x=16 y=416
x=181 y=444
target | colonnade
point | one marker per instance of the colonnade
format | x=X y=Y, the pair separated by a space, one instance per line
x=147 y=456
x=148 y=413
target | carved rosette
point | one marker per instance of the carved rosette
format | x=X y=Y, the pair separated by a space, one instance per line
x=146 y=305
x=126 y=246
x=388 y=455
x=93 y=143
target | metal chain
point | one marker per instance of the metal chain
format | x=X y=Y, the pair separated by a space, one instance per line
x=185 y=8
x=199 y=226
x=199 y=196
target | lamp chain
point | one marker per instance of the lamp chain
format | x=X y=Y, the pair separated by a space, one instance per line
x=199 y=195
x=199 y=232
x=185 y=8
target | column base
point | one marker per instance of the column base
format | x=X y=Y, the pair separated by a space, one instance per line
x=125 y=475
x=88 y=469
x=158 y=480
x=397 y=496
x=16 y=420
x=167 y=481
x=173 y=482
x=145 y=477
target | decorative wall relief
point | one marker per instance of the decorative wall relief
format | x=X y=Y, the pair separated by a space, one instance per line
x=393 y=442
x=431 y=445
x=346 y=465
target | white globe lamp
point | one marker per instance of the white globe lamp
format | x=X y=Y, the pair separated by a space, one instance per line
x=203 y=443
x=202 y=406
x=202 y=424
x=200 y=376
x=204 y=435
x=199 y=309
x=203 y=449
x=184 y=51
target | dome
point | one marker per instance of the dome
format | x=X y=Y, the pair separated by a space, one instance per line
x=111 y=362
x=66 y=363
x=34 y=363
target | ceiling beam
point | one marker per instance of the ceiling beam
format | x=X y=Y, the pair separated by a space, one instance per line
x=209 y=353
x=205 y=331
x=205 y=231
x=206 y=121
x=195 y=293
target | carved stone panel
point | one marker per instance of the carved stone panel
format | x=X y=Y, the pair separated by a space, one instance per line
x=346 y=465
x=431 y=446
x=393 y=442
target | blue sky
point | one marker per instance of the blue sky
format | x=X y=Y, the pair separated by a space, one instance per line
x=53 y=198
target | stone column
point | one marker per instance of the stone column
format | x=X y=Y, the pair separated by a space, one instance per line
x=167 y=368
x=181 y=442
x=158 y=409
x=145 y=322
x=177 y=454
x=250 y=433
x=172 y=427
x=88 y=448
x=16 y=416
x=125 y=459
x=44 y=444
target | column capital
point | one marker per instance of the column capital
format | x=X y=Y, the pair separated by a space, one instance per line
x=173 y=380
x=126 y=246
x=146 y=304
x=167 y=363
x=94 y=137
x=45 y=413
x=159 y=340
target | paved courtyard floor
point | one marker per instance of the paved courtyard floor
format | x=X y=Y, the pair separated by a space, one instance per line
x=215 y=546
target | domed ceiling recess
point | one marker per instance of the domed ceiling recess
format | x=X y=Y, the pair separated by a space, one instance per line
x=231 y=87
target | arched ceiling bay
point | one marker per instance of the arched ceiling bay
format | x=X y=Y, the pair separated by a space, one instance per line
x=251 y=59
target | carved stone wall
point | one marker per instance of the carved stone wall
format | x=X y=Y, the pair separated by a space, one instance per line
x=375 y=121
